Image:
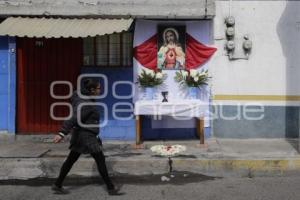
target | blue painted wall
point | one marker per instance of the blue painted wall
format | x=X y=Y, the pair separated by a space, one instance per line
x=150 y=133
x=7 y=84
x=116 y=129
x=125 y=129
x=277 y=122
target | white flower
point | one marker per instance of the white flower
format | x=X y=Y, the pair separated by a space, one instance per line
x=193 y=73
x=196 y=78
x=150 y=72
x=167 y=150
x=156 y=148
x=159 y=75
x=203 y=74
x=184 y=74
x=179 y=147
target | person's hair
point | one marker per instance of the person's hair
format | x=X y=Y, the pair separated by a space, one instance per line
x=89 y=84
x=174 y=32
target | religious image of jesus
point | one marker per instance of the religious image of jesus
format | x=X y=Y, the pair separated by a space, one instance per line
x=171 y=54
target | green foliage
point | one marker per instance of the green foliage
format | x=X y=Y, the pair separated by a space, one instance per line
x=195 y=79
x=150 y=79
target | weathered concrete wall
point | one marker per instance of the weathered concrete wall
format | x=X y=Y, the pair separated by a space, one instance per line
x=271 y=75
x=136 y=8
x=274 y=64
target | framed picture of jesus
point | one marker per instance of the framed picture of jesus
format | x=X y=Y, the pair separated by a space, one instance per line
x=171 y=47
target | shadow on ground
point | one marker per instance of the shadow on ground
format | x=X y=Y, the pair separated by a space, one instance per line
x=174 y=178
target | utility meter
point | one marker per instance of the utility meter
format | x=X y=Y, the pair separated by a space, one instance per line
x=230 y=32
x=230 y=21
x=247 y=44
x=230 y=45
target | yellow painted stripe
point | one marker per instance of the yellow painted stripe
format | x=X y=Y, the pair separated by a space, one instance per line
x=257 y=97
x=277 y=165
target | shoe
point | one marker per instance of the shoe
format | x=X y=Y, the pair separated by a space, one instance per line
x=115 y=191
x=59 y=190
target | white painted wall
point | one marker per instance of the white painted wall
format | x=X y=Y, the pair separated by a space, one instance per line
x=274 y=65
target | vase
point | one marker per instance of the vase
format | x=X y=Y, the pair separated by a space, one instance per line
x=149 y=93
x=193 y=92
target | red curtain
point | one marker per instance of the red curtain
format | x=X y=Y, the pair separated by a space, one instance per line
x=146 y=53
x=196 y=53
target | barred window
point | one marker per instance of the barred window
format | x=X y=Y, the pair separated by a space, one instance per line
x=114 y=50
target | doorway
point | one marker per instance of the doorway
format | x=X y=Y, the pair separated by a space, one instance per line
x=39 y=63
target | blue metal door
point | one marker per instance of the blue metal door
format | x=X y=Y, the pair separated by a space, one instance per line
x=7 y=84
x=3 y=83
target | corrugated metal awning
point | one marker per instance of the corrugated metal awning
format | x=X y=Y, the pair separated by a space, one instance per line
x=58 y=27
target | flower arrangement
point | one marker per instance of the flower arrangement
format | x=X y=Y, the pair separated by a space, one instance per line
x=150 y=78
x=169 y=150
x=192 y=78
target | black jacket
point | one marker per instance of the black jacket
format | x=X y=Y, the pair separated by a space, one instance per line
x=84 y=139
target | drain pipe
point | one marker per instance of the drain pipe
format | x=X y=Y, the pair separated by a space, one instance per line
x=230 y=7
x=205 y=10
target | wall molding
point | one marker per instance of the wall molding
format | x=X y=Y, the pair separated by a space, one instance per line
x=257 y=97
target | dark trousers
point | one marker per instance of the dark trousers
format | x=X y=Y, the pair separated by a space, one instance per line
x=73 y=157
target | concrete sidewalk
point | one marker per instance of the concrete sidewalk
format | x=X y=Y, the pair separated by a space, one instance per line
x=27 y=157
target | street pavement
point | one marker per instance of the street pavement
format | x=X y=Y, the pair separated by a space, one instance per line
x=153 y=188
x=31 y=157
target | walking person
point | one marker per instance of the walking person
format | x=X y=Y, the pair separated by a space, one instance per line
x=84 y=125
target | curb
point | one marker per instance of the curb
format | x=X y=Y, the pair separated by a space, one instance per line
x=31 y=168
